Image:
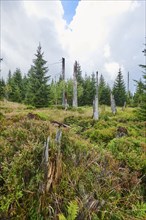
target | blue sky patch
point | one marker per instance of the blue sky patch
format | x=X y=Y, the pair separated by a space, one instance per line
x=69 y=7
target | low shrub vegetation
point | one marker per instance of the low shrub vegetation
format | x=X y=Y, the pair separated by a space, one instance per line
x=91 y=174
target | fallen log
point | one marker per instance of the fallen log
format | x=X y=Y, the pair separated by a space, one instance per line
x=59 y=124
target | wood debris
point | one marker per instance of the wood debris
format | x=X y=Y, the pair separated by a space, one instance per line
x=59 y=124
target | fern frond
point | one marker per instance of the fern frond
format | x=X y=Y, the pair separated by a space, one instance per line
x=62 y=217
x=73 y=210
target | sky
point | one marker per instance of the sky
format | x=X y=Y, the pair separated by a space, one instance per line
x=102 y=35
x=69 y=7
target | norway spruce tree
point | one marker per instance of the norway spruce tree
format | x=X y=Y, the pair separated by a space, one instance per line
x=104 y=92
x=88 y=95
x=142 y=109
x=14 y=86
x=138 y=95
x=119 y=90
x=37 y=87
x=101 y=87
x=80 y=82
x=2 y=89
x=79 y=74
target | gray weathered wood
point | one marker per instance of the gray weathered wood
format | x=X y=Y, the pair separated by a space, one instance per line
x=59 y=124
x=95 y=107
x=124 y=106
x=75 y=101
x=58 y=136
x=65 y=102
x=95 y=102
x=113 y=104
x=47 y=150
x=128 y=93
x=66 y=105
x=63 y=78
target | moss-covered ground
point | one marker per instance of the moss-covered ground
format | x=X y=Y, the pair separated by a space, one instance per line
x=104 y=173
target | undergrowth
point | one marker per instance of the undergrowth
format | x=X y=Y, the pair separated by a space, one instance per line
x=102 y=176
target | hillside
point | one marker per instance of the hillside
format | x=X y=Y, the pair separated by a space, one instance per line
x=96 y=170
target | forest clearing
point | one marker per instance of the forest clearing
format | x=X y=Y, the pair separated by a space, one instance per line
x=94 y=171
x=73 y=110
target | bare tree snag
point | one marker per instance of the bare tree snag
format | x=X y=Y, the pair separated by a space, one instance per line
x=63 y=78
x=66 y=104
x=113 y=104
x=47 y=150
x=95 y=102
x=58 y=136
x=75 y=101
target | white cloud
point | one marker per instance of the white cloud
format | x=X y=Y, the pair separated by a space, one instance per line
x=103 y=35
x=112 y=69
x=95 y=24
x=44 y=9
x=24 y=28
x=107 y=52
x=134 y=5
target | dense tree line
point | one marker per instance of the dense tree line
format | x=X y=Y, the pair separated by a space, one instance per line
x=2 y=89
x=36 y=89
x=141 y=85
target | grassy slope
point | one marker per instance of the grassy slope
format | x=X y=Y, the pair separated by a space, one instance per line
x=104 y=174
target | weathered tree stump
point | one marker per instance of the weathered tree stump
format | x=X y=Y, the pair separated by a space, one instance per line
x=121 y=131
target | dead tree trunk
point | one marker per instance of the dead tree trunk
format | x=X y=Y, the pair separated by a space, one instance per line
x=66 y=104
x=95 y=102
x=75 y=101
x=63 y=78
x=124 y=106
x=128 y=85
x=113 y=104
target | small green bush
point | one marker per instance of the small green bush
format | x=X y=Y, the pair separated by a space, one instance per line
x=30 y=107
x=130 y=151
x=103 y=135
x=43 y=116
x=1 y=116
